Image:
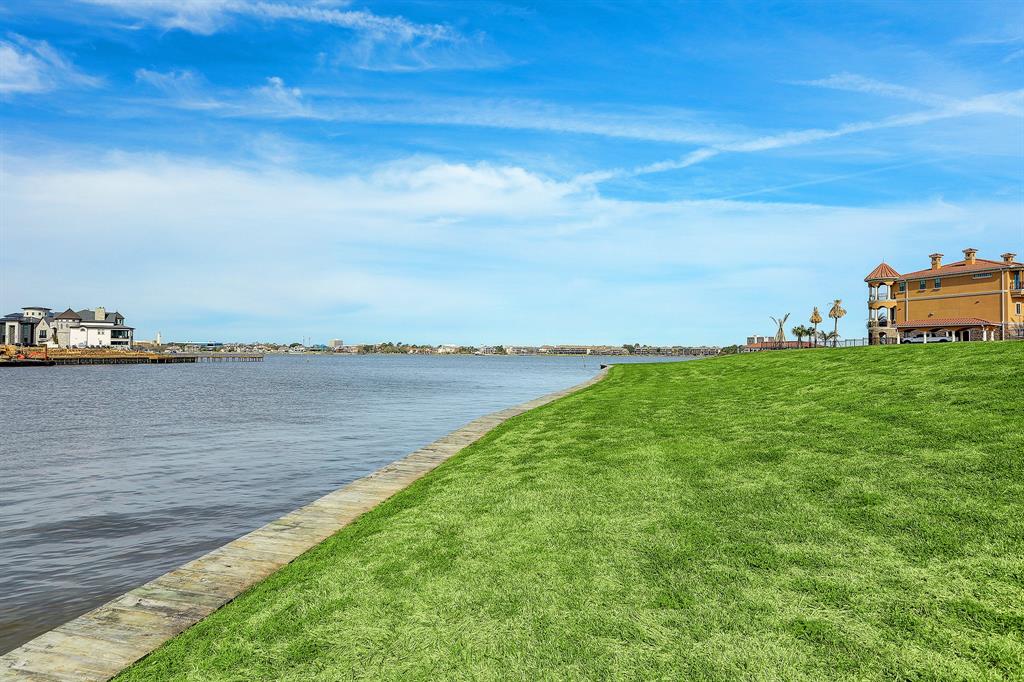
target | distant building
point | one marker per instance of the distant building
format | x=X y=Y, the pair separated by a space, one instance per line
x=973 y=299
x=335 y=344
x=521 y=350
x=38 y=326
x=569 y=349
x=754 y=340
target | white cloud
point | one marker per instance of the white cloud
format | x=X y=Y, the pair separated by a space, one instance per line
x=197 y=16
x=34 y=66
x=182 y=83
x=452 y=252
x=1010 y=103
x=1013 y=56
x=852 y=82
x=382 y=27
x=383 y=43
x=208 y=16
x=991 y=39
x=660 y=124
x=187 y=89
x=277 y=100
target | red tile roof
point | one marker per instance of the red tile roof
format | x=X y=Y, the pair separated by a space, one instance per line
x=883 y=271
x=945 y=322
x=961 y=267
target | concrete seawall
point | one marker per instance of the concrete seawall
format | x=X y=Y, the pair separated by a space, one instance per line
x=102 y=642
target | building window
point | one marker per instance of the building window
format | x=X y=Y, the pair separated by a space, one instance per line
x=938 y=282
x=1016 y=279
x=903 y=287
x=922 y=285
x=983 y=275
x=1018 y=308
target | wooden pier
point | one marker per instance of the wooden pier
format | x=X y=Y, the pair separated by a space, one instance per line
x=94 y=356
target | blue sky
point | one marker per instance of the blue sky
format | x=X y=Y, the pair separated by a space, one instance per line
x=492 y=172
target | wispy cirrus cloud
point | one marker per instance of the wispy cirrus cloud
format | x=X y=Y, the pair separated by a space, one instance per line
x=185 y=89
x=992 y=39
x=1009 y=103
x=852 y=82
x=276 y=99
x=1013 y=56
x=209 y=16
x=382 y=43
x=280 y=101
x=34 y=66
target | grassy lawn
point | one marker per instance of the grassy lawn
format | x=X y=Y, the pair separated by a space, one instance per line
x=828 y=514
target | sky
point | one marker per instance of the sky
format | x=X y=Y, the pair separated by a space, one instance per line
x=498 y=172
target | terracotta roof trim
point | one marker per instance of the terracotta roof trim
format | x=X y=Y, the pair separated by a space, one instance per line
x=883 y=271
x=962 y=268
x=946 y=322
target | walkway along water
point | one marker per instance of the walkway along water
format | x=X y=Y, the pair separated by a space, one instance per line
x=106 y=640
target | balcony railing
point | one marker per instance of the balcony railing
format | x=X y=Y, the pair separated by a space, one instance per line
x=883 y=322
x=883 y=297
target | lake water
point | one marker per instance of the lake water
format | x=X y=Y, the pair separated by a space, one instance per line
x=113 y=475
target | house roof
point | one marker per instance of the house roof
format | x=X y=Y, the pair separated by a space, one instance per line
x=68 y=314
x=961 y=267
x=87 y=315
x=24 y=319
x=35 y=307
x=883 y=271
x=945 y=322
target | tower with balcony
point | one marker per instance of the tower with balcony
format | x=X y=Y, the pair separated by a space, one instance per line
x=882 y=304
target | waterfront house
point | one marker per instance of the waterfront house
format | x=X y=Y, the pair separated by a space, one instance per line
x=38 y=326
x=973 y=299
x=23 y=329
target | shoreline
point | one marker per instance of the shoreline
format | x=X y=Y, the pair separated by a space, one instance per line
x=104 y=641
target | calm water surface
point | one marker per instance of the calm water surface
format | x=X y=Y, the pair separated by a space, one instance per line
x=113 y=475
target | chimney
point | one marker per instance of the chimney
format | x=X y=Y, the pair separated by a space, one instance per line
x=936 y=260
x=101 y=314
x=1008 y=257
x=969 y=255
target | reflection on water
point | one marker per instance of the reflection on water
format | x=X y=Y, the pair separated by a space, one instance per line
x=113 y=475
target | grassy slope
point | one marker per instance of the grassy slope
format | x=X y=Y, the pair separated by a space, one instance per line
x=804 y=515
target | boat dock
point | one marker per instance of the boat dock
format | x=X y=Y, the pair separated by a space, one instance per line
x=154 y=358
x=21 y=357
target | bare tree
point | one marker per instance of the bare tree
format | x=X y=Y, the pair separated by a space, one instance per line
x=780 y=335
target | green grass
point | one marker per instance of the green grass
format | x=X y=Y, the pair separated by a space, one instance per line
x=829 y=514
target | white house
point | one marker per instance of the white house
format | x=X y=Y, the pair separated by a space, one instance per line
x=70 y=329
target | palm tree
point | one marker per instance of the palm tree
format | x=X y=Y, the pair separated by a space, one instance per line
x=836 y=313
x=815 y=320
x=800 y=332
x=828 y=337
x=780 y=335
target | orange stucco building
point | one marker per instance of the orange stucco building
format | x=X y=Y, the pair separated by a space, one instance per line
x=973 y=299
